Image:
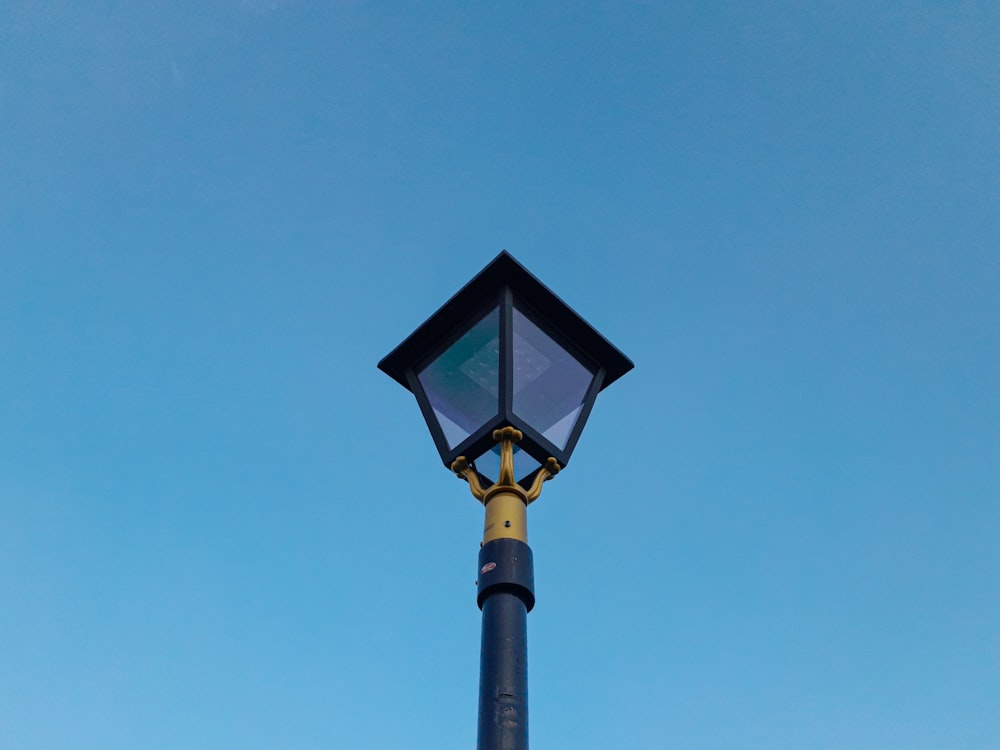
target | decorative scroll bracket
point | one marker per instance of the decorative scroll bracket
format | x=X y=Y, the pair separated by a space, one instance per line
x=507 y=437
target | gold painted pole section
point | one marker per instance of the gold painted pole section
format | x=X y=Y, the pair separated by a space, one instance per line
x=506 y=517
x=506 y=501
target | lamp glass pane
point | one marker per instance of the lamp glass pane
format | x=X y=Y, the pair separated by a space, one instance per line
x=550 y=384
x=488 y=464
x=463 y=383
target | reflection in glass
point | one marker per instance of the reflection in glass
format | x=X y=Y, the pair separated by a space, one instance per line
x=462 y=383
x=488 y=464
x=549 y=383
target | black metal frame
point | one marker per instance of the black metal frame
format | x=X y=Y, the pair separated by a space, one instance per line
x=501 y=283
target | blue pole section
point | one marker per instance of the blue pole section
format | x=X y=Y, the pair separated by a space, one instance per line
x=506 y=595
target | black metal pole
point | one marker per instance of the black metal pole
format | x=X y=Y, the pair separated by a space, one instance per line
x=505 y=595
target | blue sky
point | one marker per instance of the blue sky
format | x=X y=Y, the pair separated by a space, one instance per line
x=221 y=527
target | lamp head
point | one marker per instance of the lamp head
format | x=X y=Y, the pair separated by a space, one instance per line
x=505 y=351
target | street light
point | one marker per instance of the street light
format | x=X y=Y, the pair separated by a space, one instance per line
x=505 y=374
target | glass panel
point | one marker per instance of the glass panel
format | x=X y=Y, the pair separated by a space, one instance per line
x=549 y=383
x=488 y=464
x=462 y=384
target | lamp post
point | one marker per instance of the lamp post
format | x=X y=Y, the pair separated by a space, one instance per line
x=505 y=374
